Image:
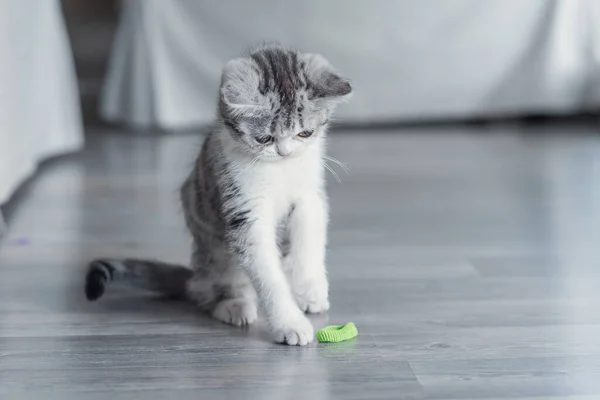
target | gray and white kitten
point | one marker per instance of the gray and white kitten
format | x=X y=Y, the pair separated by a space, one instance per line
x=255 y=201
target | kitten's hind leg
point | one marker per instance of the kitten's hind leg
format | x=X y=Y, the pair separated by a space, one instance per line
x=238 y=311
x=238 y=302
x=225 y=292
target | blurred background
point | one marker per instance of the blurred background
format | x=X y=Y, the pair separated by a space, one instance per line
x=155 y=64
x=159 y=65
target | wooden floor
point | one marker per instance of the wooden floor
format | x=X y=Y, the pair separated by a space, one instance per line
x=469 y=259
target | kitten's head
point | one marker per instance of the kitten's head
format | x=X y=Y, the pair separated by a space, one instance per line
x=277 y=102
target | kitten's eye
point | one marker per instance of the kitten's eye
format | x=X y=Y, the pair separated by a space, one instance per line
x=265 y=139
x=305 y=134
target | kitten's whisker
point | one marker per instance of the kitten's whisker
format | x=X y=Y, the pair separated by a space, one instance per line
x=332 y=172
x=338 y=162
x=246 y=167
x=251 y=163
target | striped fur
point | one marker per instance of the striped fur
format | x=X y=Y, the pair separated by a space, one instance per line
x=255 y=200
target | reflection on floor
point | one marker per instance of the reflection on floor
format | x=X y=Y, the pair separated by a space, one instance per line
x=468 y=259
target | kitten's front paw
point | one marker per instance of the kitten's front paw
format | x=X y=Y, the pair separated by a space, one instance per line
x=296 y=332
x=312 y=295
x=236 y=312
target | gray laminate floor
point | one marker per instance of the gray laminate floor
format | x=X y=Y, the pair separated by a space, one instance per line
x=468 y=259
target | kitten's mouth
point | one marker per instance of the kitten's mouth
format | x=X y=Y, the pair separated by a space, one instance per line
x=278 y=157
x=273 y=158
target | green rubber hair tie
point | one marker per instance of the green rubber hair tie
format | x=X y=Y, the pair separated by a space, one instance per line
x=337 y=333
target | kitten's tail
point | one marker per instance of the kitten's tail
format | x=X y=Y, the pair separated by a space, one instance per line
x=168 y=279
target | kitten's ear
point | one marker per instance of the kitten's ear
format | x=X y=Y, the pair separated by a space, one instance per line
x=326 y=81
x=239 y=89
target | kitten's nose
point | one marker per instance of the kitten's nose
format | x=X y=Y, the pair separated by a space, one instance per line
x=283 y=152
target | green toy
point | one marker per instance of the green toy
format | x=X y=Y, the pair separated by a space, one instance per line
x=337 y=333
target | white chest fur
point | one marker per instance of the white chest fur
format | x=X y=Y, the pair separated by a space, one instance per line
x=284 y=182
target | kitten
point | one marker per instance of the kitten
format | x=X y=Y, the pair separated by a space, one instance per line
x=255 y=201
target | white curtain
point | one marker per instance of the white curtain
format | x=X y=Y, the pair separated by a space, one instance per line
x=39 y=103
x=408 y=59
